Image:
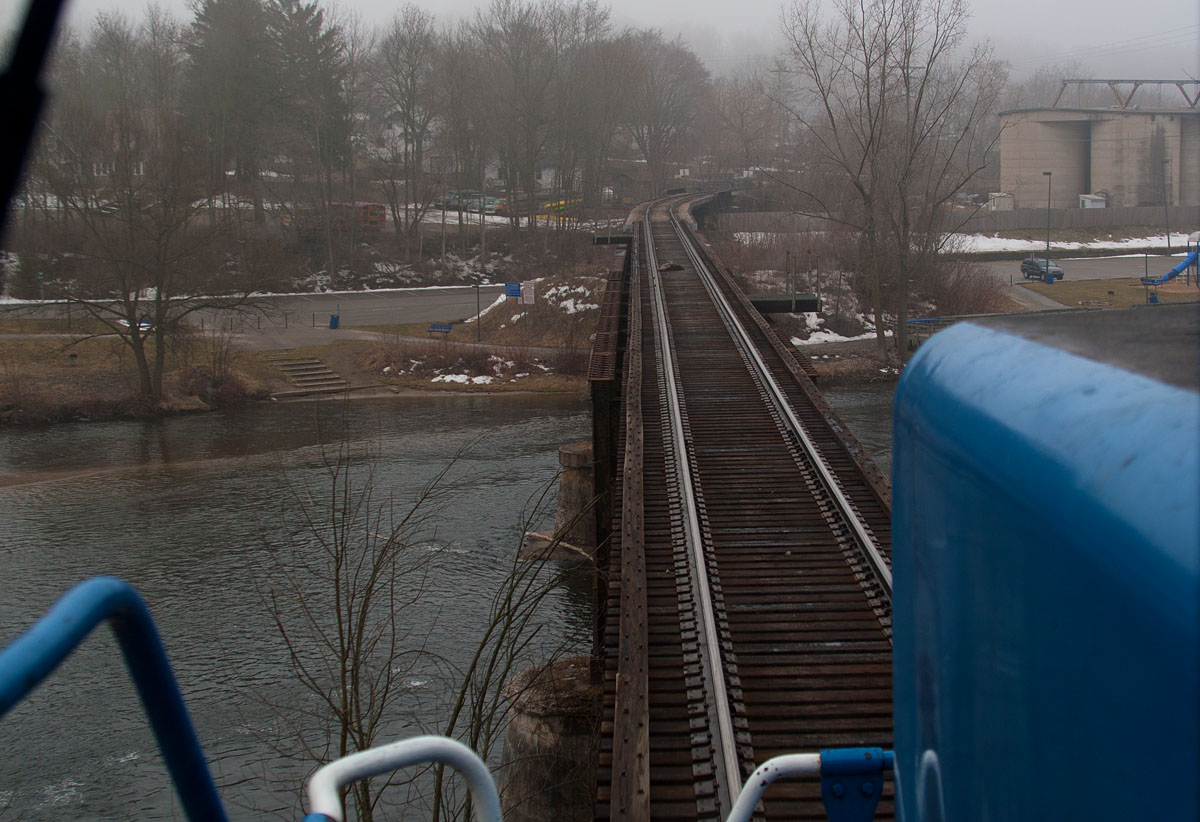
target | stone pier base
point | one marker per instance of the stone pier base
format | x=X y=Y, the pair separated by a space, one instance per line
x=574 y=535
x=549 y=765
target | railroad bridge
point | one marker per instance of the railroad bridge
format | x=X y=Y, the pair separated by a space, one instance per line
x=745 y=585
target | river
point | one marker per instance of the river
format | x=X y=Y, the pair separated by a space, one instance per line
x=200 y=514
x=197 y=512
x=867 y=411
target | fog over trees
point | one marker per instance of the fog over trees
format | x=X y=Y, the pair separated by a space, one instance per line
x=186 y=156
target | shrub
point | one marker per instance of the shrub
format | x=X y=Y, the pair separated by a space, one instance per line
x=958 y=287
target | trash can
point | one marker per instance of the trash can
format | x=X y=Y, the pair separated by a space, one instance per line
x=333 y=320
x=1049 y=278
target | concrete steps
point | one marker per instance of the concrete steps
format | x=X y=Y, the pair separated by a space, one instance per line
x=308 y=374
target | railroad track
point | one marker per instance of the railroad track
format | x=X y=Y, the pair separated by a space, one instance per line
x=749 y=596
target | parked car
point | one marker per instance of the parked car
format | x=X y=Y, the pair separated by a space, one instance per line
x=1035 y=268
x=490 y=205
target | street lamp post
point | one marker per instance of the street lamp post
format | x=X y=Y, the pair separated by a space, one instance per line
x=1049 y=178
x=816 y=275
x=1166 y=200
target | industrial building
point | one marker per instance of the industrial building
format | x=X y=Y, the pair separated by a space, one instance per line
x=1127 y=155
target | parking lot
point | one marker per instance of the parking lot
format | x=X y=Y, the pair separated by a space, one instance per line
x=1092 y=268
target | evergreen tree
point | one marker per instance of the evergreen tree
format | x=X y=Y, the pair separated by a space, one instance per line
x=313 y=115
x=233 y=92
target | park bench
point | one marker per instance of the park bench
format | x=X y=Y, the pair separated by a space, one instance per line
x=439 y=328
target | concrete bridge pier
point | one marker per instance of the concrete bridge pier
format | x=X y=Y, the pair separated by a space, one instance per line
x=574 y=534
x=549 y=762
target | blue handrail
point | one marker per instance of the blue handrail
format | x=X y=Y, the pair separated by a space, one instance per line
x=852 y=779
x=34 y=655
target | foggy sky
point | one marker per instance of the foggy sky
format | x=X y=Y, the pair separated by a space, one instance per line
x=1148 y=39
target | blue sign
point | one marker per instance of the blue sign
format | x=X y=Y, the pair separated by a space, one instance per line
x=512 y=289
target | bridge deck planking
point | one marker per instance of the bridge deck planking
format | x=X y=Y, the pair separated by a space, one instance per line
x=811 y=657
x=711 y=373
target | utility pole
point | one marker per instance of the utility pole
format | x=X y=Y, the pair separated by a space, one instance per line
x=791 y=278
x=482 y=225
x=1166 y=200
x=478 y=313
x=1049 y=175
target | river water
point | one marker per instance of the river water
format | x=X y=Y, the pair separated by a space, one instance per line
x=198 y=513
x=867 y=411
x=202 y=514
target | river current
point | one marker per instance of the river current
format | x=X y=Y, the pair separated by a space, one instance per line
x=200 y=514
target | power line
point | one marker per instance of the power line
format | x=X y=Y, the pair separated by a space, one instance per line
x=1187 y=35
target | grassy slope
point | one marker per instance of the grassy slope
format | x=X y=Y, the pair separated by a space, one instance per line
x=1095 y=293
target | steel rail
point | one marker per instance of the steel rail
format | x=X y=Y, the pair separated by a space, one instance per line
x=724 y=740
x=883 y=571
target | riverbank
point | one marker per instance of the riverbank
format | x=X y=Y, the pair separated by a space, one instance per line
x=52 y=377
x=46 y=379
x=852 y=362
x=53 y=372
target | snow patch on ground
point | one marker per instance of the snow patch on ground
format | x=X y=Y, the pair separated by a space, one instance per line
x=978 y=243
x=757 y=237
x=813 y=323
x=463 y=379
x=981 y=244
x=558 y=292
x=573 y=307
x=830 y=336
x=388 y=267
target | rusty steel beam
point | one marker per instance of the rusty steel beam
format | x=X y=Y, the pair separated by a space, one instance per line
x=631 y=732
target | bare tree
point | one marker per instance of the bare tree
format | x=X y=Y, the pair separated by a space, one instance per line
x=577 y=31
x=667 y=83
x=890 y=100
x=408 y=86
x=605 y=67
x=745 y=116
x=342 y=594
x=1044 y=85
x=125 y=175
x=521 y=64
x=339 y=597
x=465 y=127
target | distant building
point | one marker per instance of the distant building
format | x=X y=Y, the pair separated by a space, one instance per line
x=999 y=201
x=1131 y=156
